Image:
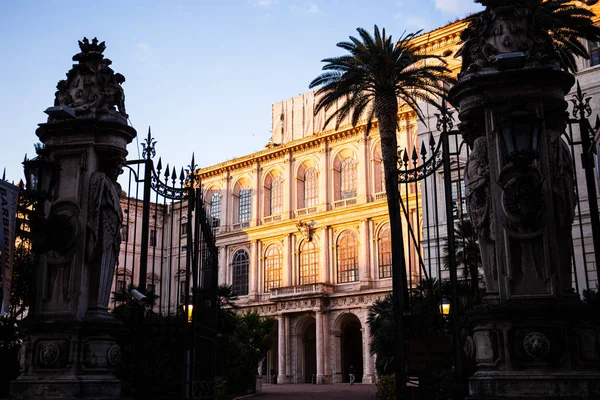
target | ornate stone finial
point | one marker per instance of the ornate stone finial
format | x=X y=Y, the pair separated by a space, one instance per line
x=92 y=89
x=514 y=33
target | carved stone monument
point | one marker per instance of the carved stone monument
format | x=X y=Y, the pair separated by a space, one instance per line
x=533 y=337
x=70 y=351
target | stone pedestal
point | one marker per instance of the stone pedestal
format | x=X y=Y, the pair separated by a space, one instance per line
x=538 y=350
x=533 y=337
x=70 y=351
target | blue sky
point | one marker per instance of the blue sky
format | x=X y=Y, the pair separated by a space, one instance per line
x=202 y=73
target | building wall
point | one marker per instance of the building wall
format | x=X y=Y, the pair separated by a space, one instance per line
x=327 y=309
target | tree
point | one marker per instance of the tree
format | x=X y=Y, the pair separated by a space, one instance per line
x=466 y=251
x=370 y=83
x=553 y=28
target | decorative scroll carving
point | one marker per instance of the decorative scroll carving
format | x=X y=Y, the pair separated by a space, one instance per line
x=92 y=89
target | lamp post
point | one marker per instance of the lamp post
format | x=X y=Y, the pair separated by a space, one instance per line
x=520 y=134
x=445 y=307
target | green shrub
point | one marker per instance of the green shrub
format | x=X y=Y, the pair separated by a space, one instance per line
x=386 y=387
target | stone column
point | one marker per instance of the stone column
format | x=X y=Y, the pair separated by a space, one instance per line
x=288 y=350
x=69 y=352
x=320 y=347
x=281 y=377
x=532 y=332
x=326 y=349
x=324 y=257
x=368 y=376
x=338 y=378
x=362 y=192
x=363 y=263
x=324 y=178
x=253 y=272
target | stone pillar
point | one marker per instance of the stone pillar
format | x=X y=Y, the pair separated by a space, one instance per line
x=288 y=350
x=368 y=376
x=362 y=192
x=533 y=338
x=253 y=272
x=363 y=263
x=324 y=257
x=281 y=377
x=320 y=348
x=324 y=178
x=326 y=349
x=337 y=377
x=69 y=352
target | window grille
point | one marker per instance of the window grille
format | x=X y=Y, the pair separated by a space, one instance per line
x=276 y=196
x=244 y=205
x=215 y=210
x=385 y=252
x=272 y=268
x=311 y=193
x=239 y=267
x=348 y=179
x=309 y=267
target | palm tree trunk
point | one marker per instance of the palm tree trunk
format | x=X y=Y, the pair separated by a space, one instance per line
x=386 y=110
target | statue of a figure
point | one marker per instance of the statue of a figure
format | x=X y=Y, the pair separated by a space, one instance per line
x=565 y=201
x=105 y=219
x=479 y=206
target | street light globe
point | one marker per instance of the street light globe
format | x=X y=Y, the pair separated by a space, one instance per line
x=445 y=307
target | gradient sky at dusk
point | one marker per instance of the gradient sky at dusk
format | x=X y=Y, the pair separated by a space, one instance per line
x=202 y=73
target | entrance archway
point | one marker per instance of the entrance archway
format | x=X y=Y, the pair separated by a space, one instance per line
x=349 y=347
x=307 y=350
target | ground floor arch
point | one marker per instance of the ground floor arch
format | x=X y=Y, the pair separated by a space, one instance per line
x=349 y=346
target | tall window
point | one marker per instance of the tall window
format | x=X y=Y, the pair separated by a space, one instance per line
x=384 y=244
x=459 y=204
x=215 y=210
x=182 y=288
x=272 y=268
x=348 y=179
x=153 y=238
x=239 y=270
x=125 y=233
x=311 y=193
x=244 y=204
x=309 y=254
x=594 y=53
x=347 y=263
x=276 y=196
x=184 y=227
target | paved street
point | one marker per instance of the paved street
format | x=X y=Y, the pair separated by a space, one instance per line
x=323 y=392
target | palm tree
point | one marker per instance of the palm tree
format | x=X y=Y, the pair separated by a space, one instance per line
x=368 y=83
x=556 y=26
x=466 y=251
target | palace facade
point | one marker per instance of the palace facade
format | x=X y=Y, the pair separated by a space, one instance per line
x=303 y=232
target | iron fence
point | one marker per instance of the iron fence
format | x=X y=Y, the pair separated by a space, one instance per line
x=442 y=255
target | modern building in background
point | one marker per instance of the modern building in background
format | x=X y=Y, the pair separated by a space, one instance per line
x=302 y=229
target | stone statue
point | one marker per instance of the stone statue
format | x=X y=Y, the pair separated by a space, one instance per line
x=92 y=89
x=479 y=207
x=105 y=219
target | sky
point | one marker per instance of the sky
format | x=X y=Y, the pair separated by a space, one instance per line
x=202 y=74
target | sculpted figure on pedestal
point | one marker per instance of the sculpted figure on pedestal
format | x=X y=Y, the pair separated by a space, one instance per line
x=105 y=219
x=479 y=207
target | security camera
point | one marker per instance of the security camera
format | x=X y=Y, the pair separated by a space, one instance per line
x=139 y=297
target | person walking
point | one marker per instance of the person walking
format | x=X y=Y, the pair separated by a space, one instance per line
x=351 y=374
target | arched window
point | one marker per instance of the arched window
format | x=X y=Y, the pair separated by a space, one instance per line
x=348 y=179
x=309 y=263
x=244 y=203
x=272 y=268
x=347 y=260
x=239 y=271
x=215 y=210
x=276 y=196
x=311 y=192
x=384 y=246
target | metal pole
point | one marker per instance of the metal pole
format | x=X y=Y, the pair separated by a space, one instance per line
x=451 y=253
x=588 y=165
x=149 y=165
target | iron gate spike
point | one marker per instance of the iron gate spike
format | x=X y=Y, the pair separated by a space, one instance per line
x=167 y=173
x=423 y=149
x=159 y=165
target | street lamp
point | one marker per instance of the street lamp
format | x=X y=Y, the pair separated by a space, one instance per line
x=445 y=307
x=190 y=312
x=41 y=175
x=521 y=136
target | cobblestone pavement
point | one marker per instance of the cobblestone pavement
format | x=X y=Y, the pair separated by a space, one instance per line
x=321 y=392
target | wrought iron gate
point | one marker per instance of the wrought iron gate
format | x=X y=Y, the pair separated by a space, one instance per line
x=168 y=254
x=443 y=261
